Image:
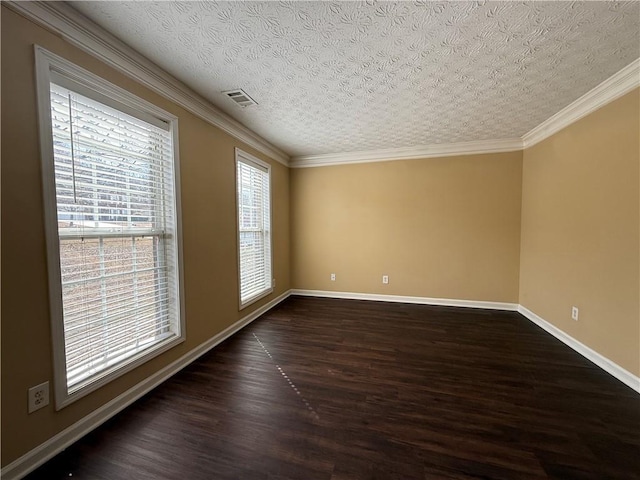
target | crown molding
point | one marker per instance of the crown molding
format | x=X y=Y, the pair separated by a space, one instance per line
x=409 y=153
x=611 y=89
x=83 y=33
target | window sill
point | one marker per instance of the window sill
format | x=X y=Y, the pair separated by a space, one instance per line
x=118 y=370
x=255 y=298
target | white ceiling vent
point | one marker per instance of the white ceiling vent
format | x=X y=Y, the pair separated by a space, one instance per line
x=240 y=97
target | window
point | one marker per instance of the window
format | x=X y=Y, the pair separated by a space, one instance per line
x=110 y=177
x=254 y=227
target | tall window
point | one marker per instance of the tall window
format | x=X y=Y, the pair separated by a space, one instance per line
x=112 y=227
x=254 y=227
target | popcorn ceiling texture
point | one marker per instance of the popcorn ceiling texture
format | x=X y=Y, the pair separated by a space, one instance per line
x=335 y=77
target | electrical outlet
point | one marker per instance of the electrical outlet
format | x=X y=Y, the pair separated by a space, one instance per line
x=385 y=279
x=333 y=277
x=273 y=283
x=38 y=397
x=574 y=313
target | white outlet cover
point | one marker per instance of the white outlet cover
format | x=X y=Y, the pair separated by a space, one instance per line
x=333 y=277
x=385 y=279
x=574 y=313
x=38 y=397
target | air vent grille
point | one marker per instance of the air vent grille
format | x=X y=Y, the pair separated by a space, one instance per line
x=240 y=97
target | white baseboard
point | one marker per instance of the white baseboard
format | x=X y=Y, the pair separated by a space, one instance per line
x=447 y=302
x=36 y=457
x=604 y=363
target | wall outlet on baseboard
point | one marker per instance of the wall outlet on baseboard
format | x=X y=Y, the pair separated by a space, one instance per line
x=333 y=277
x=385 y=279
x=38 y=397
x=574 y=313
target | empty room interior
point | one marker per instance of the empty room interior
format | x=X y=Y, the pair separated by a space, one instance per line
x=320 y=240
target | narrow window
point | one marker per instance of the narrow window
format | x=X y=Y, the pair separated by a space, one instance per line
x=254 y=227
x=110 y=181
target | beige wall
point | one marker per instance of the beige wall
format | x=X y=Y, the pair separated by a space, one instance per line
x=210 y=258
x=440 y=227
x=446 y=227
x=580 y=230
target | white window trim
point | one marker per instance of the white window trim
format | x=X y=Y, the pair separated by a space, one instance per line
x=47 y=63
x=245 y=157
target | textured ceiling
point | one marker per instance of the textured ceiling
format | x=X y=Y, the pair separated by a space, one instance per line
x=335 y=77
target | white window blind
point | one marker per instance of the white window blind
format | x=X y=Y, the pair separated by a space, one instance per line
x=254 y=225
x=117 y=236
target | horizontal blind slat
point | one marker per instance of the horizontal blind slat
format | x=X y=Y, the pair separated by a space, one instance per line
x=114 y=191
x=253 y=201
x=76 y=346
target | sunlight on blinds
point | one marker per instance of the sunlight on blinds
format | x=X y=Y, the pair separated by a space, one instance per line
x=116 y=218
x=254 y=229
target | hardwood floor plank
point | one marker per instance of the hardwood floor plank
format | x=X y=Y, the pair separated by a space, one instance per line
x=340 y=390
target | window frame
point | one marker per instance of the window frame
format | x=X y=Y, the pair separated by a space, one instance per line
x=48 y=65
x=248 y=159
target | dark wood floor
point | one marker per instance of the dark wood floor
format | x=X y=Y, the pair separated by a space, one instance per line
x=342 y=389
